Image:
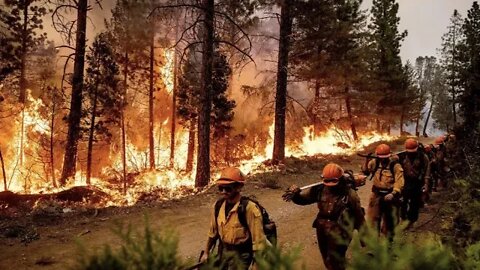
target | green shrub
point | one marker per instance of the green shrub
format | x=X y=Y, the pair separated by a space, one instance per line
x=402 y=254
x=150 y=250
x=137 y=251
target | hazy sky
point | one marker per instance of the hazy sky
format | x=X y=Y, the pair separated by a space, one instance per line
x=426 y=21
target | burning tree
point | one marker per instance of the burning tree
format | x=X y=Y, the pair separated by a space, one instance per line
x=188 y=99
x=104 y=97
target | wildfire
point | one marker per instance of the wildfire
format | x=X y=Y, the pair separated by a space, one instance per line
x=28 y=167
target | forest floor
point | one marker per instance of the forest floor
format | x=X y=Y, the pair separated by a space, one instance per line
x=33 y=242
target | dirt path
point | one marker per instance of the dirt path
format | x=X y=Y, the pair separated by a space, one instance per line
x=57 y=248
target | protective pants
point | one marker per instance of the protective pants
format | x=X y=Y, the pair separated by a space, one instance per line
x=382 y=215
x=412 y=201
x=238 y=257
x=333 y=244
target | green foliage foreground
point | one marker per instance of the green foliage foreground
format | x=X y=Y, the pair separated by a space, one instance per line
x=152 y=250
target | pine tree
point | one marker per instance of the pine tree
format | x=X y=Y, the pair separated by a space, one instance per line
x=471 y=75
x=129 y=34
x=286 y=20
x=328 y=51
x=102 y=88
x=74 y=117
x=386 y=63
x=189 y=98
x=451 y=42
x=22 y=20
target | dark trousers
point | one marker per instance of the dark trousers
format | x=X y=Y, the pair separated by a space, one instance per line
x=382 y=215
x=333 y=247
x=412 y=201
x=237 y=257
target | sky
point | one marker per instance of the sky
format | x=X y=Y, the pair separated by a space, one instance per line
x=426 y=21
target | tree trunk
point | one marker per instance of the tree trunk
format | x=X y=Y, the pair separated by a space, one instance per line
x=417 y=129
x=174 y=103
x=454 y=109
x=5 y=188
x=191 y=146
x=350 y=115
x=150 y=105
x=402 y=119
x=52 y=126
x=70 y=158
x=316 y=128
x=122 y=123
x=90 y=136
x=203 y=155
x=428 y=118
x=281 y=91
x=23 y=56
x=22 y=135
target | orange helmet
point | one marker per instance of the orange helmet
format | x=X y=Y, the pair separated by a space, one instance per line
x=231 y=175
x=383 y=151
x=331 y=174
x=439 y=140
x=411 y=145
x=428 y=148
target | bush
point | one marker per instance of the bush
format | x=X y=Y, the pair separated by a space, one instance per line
x=149 y=250
x=401 y=254
x=138 y=251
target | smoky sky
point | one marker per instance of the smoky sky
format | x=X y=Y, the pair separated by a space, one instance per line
x=426 y=21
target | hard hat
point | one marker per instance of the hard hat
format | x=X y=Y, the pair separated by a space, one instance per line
x=331 y=174
x=383 y=151
x=428 y=148
x=231 y=175
x=411 y=145
x=439 y=140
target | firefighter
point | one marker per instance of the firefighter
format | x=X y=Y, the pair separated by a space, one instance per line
x=387 y=175
x=339 y=212
x=438 y=164
x=416 y=173
x=225 y=226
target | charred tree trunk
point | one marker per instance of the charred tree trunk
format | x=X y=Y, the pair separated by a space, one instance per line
x=203 y=155
x=402 y=119
x=70 y=158
x=5 y=188
x=191 y=146
x=23 y=57
x=122 y=124
x=174 y=104
x=52 y=128
x=428 y=117
x=23 y=80
x=150 y=106
x=350 y=115
x=454 y=109
x=316 y=128
x=90 y=136
x=281 y=92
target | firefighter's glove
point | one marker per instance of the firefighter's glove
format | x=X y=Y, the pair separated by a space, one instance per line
x=389 y=197
x=290 y=193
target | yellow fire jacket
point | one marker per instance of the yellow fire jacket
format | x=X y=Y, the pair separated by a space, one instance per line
x=231 y=231
x=383 y=178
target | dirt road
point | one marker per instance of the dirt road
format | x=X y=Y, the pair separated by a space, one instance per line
x=57 y=247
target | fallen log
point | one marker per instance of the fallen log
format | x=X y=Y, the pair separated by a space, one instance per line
x=75 y=194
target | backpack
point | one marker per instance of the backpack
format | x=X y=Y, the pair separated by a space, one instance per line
x=391 y=167
x=269 y=226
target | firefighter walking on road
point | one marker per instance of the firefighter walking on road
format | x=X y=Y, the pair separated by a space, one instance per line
x=388 y=181
x=226 y=225
x=416 y=172
x=339 y=212
x=438 y=163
